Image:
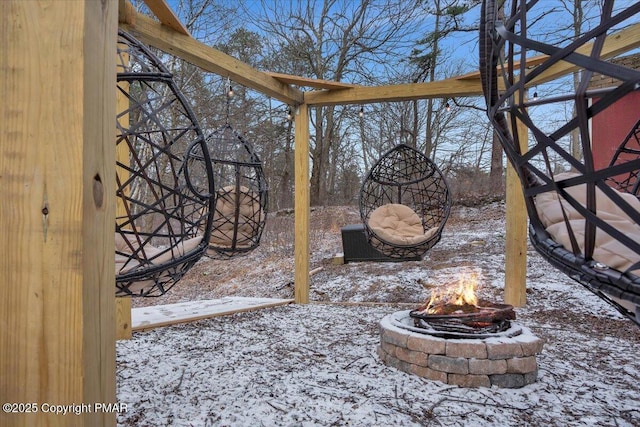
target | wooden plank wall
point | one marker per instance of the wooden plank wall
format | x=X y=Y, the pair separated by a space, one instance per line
x=57 y=172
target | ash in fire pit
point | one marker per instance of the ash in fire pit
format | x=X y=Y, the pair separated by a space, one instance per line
x=457 y=309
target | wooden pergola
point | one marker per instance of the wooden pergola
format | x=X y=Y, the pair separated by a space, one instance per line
x=57 y=182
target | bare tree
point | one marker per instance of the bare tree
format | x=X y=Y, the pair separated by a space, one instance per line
x=328 y=39
x=578 y=13
x=427 y=56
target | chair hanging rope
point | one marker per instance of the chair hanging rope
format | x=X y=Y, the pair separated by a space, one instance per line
x=163 y=176
x=581 y=224
x=404 y=203
x=240 y=211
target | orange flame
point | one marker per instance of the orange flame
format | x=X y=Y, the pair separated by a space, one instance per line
x=460 y=294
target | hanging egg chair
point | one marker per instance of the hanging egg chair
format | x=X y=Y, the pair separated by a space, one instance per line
x=404 y=203
x=580 y=220
x=163 y=176
x=240 y=211
x=628 y=150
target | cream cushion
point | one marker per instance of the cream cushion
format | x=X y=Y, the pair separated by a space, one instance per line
x=224 y=221
x=607 y=250
x=156 y=256
x=399 y=224
x=125 y=263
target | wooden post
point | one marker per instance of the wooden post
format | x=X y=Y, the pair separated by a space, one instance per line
x=57 y=174
x=122 y=149
x=123 y=304
x=123 y=318
x=301 y=205
x=515 y=286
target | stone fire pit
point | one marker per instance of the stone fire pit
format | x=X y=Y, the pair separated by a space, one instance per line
x=505 y=359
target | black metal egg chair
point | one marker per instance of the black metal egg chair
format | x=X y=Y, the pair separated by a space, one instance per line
x=240 y=211
x=404 y=203
x=585 y=227
x=628 y=150
x=163 y=176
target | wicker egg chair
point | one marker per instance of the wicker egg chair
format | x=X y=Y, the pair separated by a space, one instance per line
x=578 y=222
x=163 y=217
x=628 y=150
x=404 y=203
x=240 y=211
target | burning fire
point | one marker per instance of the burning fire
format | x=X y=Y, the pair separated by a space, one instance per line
x=458 y=297
x=457 y=308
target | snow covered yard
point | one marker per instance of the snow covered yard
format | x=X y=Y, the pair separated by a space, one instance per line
x=316 y=364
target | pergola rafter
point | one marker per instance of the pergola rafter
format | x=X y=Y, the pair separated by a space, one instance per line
x=183 y=46
x=164 y=36
x=58 y=172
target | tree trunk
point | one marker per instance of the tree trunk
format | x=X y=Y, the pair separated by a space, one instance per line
x=316 y=157
x=496 y=172
x=428 y=138
x=321 y=162
x=578 y=18
x=416 y=114
x=286 y=184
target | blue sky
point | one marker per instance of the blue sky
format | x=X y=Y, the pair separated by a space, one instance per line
x=461 y=47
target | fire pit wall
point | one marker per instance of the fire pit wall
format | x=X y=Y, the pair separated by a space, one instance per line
x=508 y=362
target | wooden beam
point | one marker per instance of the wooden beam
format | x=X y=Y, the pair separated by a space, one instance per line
x=123 y=318
x=308 y=82
x=147 y=318
x=122 y=150
x=530 y=62
x=618 y=44
x=273 y=84
x=516 y=218
x=468 y=84
x=401 y=92
x=57 y=173
x=126 y=12
x=123 y=304
x=515 y=276
x=165 y=14
x=301 y=205
x=209 y=59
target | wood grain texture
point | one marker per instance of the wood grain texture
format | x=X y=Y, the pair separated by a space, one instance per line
x=624 y=41
x=467 y=84
x=399 y=92
x=124 y=326
x=146 y=318
x=515 y=287
x=309 y=82
x=165 y=14
x=57 y=74
x=301 y=205
x=122 y=150
x=123 y=304
x=209 y=59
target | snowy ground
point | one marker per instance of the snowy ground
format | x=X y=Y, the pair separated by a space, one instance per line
x=316 y=364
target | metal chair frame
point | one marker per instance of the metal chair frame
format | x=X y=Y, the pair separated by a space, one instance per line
x=161 y=203
x=405 y=176
x=505 y=45
x=241 y=181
